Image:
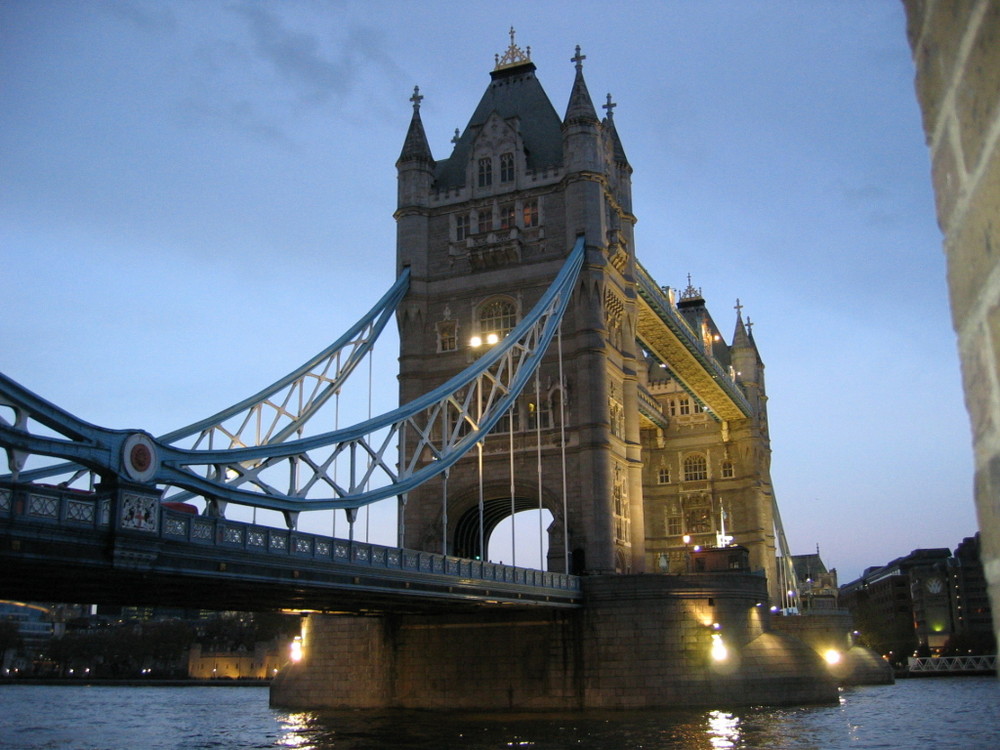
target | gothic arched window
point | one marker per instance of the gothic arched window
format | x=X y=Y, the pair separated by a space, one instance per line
x=485 y=172
x=695 y=468
x=727 y=469
x=497 y=315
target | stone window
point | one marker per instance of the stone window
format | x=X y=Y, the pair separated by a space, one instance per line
x=530 y=212
x=506 y=217
x=684 y=406
x=663 y=475
x=698 y=409
x=485 y=172
x=447 y=336
x=727 y=470
x=673 y=408
x=497 y=315
x=695 y=468
x=461 y=227
x=507 y=167
x=539 y=415
x=485 y=220
x=674 y=526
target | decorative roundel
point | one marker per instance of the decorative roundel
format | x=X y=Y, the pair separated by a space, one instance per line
x=139 y=457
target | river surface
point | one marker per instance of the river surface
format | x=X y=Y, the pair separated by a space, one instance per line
x=938 y=713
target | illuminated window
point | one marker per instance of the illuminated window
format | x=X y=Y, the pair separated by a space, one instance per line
x=506 y=167
x=663 y=475
x=485 y=172
x=485 y=220
x=695 y=468
x=727 y=469
x=506 y=217
x=497 y=316
x=685 y=406
x=530 y=213
x=461 y=227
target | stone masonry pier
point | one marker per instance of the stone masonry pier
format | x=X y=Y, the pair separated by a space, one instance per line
x=640 y=641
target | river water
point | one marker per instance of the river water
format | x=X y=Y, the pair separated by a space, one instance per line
x=938 y=713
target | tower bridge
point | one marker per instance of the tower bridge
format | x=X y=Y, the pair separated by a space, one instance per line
x=540 y=367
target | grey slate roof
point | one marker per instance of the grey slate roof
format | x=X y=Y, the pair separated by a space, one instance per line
x=513 y=92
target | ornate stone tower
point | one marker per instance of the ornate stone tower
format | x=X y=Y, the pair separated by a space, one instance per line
x=708 y=478
x=484 y=232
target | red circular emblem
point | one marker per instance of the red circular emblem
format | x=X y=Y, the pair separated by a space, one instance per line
x=140 y=457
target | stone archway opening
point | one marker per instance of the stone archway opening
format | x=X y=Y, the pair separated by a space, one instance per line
x=512 y=539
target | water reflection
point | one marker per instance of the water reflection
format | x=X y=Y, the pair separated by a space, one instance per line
x=294 y=731
x=723 y=729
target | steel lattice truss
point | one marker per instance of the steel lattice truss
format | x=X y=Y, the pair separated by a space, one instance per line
x=261 y=467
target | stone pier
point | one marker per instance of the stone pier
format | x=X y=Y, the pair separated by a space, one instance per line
x=641 y=641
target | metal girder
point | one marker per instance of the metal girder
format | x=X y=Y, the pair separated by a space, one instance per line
x=301 y=474
x=284 y=407
x=667 y=337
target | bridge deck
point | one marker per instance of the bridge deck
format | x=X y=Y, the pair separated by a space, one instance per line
x=61 y=545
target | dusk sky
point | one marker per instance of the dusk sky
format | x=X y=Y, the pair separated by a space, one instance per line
x=195 y=197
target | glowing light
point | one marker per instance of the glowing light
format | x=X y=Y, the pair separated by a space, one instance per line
x=719 y=650
x=832 y=656
x=296 y=650
x=475 y=342
x=687 y=539
x=723 y=730
x=492 y=338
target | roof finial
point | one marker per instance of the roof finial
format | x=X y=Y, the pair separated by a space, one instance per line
x=610 y=106
x=738 y=308
x=416 y=98
x=455 y=138
x=578 y=58
x=513 y=56
x=749 y=325
x=691 y=292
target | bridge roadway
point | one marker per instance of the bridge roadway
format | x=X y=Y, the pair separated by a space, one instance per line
x=62 y=545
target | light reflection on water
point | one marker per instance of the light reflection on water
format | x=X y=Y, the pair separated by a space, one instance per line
x=941 y=713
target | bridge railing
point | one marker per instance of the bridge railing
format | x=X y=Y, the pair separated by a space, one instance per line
x=146 y=515
x=952 y=663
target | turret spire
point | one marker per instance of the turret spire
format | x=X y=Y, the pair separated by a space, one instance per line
x=581 y=107
x=416 y=147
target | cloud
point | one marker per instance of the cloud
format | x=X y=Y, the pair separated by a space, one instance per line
x=297 y=56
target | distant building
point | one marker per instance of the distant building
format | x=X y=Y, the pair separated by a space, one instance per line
x=971 y=614
x=927 y=602
x=817 y=585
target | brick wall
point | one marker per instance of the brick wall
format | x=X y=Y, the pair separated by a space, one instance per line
x=956 y=50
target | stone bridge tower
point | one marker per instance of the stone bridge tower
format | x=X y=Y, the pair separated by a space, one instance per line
x=484 y=232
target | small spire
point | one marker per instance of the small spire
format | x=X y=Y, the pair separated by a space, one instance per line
x=749 y=326
x=738 y=308
x=513 y=56
x=454 y=138
x=415 y=145
x=610 y=106
x=581 y=108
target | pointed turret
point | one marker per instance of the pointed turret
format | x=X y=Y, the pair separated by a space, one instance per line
x=612 y=133
x=415 y=178
x=581 y=108
x=740 y=337
x=415 y=147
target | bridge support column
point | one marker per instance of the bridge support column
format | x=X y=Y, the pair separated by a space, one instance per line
x=642 y=641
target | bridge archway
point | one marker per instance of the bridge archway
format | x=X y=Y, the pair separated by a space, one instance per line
x=465 y=536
